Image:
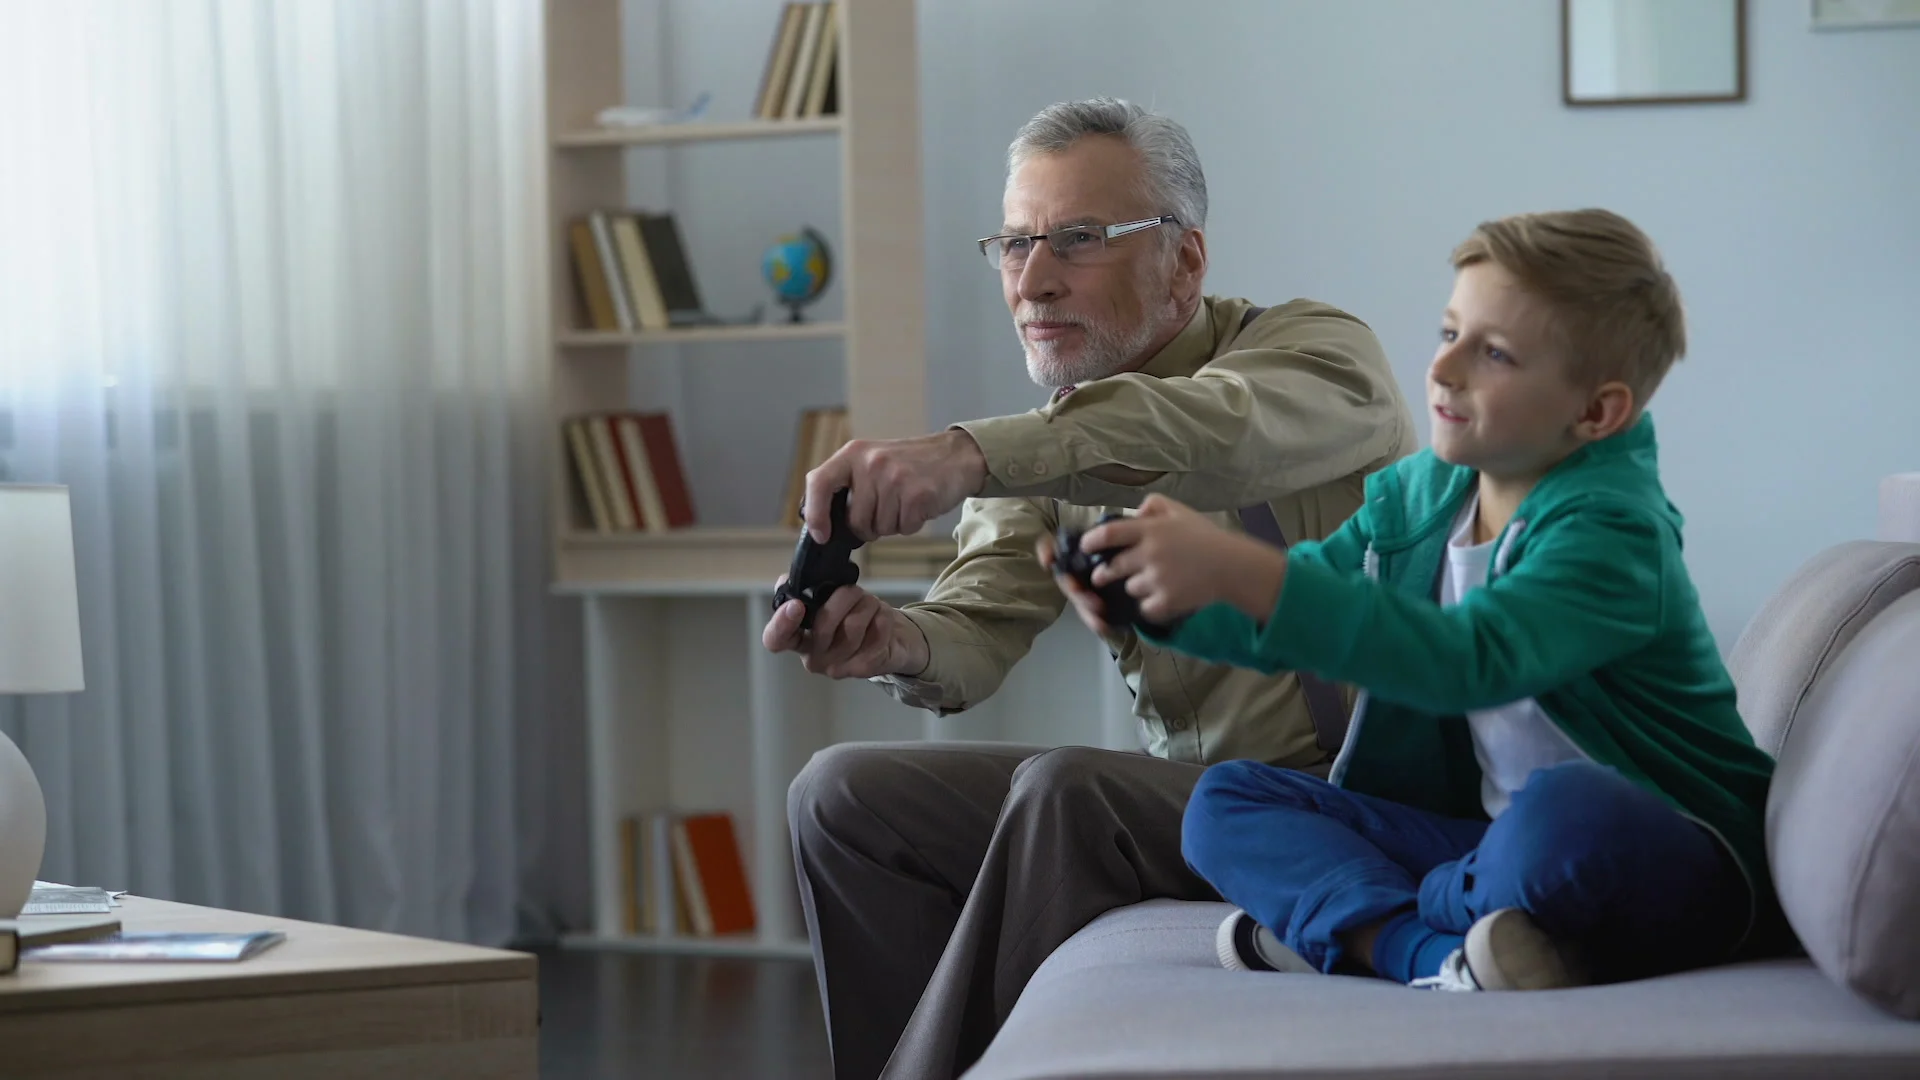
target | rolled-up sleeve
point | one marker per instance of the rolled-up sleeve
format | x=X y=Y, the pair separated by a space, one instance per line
x=1304 y=397
x=983 y=612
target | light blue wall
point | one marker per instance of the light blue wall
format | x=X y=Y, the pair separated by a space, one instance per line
x=1350 y=143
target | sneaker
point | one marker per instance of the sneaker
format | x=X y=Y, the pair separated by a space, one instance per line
x=1507 y=950
x=1245 y=945
x=1453 y=975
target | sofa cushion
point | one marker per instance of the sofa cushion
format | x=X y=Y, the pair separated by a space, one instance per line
x=1808 y=622
x=1138 y=994
x=1843 y=818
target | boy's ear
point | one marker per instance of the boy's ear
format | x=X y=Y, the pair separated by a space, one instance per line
x=1608 y=411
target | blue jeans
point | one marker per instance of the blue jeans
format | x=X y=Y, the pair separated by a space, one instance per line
x=1597 y=861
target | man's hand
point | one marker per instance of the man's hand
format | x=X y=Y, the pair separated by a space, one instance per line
x=854 y=636
x=1177 y=561
x=896 y=485
x=1086 y=603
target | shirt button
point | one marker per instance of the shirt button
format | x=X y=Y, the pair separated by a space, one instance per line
x=1040 y=468
x=1013 y=470
x=1179 y=723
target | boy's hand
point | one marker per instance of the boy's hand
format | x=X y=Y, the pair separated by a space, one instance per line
x=1086 y=604
x=1177 y=562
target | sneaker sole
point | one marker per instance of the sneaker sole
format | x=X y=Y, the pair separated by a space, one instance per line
x=1507 y=951
x=1228 y=950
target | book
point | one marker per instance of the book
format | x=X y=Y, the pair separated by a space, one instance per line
x=587 y=473
x=773 y=80
x=34 y=930
x=796 y=94
x=31 y=931
x=630 y=863
x=707 y=859
x=595 y=291
x=649 y=307
x=820 y=432
x=633 y=448
x=661 y=913
x=822 y=76
x=672 y=274
x=610 y=268
x=163 y=946
x=64 y=900
x=663 y=462
x=612 y=467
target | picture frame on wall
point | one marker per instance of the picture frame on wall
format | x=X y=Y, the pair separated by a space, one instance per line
x=1863 y=14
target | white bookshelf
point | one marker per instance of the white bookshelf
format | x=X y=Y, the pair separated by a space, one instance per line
x=686 y=710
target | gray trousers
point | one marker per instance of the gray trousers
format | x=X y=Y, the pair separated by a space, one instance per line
x=937 y=876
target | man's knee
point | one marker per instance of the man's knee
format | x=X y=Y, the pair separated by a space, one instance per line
x=838 y=781
x=1063 y=774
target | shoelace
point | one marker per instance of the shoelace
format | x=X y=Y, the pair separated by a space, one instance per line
x=1453 y=975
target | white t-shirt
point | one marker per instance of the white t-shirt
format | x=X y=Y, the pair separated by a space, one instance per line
x=1510 y=740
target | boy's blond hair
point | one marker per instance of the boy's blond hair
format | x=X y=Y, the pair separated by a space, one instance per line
x=1614 y=305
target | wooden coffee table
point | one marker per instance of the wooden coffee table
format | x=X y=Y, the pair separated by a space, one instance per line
x=326 y=1002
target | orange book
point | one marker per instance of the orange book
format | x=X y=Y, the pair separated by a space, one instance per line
x=722 y=890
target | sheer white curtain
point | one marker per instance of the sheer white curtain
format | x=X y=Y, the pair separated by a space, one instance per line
x=268 y=305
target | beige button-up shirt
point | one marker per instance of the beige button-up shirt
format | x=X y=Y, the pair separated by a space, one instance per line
x=1295 y=410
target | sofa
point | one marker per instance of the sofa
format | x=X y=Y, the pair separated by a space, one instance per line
x=1829 y=679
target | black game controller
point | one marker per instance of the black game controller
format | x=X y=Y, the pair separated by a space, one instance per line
x=819 y=569
x=1119 y=606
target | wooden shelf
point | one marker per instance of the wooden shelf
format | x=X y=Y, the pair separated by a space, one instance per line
x=755 y=948
x=604 y=138
x=695 y=335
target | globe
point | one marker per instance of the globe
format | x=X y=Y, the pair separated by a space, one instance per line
x=798 y=267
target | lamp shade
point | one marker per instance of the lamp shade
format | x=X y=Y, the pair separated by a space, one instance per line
x=39 y=601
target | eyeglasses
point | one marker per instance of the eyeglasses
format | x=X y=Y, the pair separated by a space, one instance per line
x=1075 y=245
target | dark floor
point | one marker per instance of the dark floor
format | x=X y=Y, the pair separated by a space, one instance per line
x=611 y=1014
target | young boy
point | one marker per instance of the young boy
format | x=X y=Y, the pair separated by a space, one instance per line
x=1545 y=782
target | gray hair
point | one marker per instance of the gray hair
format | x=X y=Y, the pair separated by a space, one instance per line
x=1173 y=177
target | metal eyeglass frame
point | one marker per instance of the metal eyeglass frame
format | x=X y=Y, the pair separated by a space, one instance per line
x=1105 y=232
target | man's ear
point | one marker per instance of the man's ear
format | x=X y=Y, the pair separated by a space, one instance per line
x=1609 y=411
x=1189 y=265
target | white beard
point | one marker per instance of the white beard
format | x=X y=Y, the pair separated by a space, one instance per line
x=1102 y=351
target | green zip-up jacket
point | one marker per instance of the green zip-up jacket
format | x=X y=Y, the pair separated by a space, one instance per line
x=1588 y=610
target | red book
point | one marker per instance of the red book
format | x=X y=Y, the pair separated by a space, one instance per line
x=721 y=899
x=663 y=456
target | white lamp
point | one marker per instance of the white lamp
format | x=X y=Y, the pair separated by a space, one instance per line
x=39 y=654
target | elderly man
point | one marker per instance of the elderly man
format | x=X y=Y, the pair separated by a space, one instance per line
x=937 y=877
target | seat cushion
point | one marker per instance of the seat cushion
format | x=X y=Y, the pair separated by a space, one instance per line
x=1843 y=817
x=1138 y=993
x=1809 y=622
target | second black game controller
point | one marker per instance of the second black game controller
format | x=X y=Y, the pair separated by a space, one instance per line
x=820 y=569
x=1119 y=608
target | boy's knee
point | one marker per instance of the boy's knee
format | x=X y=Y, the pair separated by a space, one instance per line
x=1566 y=836
x=1578 y=809
x=1222 y=790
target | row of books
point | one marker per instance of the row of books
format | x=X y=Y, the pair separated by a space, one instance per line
x=626 y=469
x=801 y=75
x=819 y=433
x=632 y=271
x=683 y=874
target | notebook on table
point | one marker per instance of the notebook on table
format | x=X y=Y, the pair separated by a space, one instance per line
x=162 y=946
